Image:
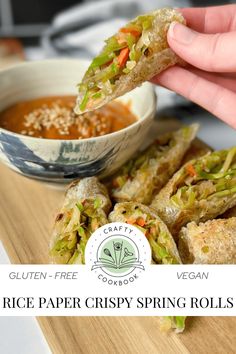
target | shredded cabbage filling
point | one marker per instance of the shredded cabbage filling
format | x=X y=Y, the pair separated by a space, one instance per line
x=159 y=238
x=213 y=176
x=119 y=56
x=147 y=158
x=77 y=222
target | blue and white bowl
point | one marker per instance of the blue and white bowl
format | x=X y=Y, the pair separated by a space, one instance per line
x=65 y=160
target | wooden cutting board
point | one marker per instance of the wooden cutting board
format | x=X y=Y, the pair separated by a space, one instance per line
x=27 y=211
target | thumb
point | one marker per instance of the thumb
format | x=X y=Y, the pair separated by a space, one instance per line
x=210 y=52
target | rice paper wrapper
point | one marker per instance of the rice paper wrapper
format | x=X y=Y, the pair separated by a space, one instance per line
x=212 y=242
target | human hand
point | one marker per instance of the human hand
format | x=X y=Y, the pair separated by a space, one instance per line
x=209 y=47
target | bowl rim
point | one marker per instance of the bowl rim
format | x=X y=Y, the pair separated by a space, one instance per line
x=147 y=115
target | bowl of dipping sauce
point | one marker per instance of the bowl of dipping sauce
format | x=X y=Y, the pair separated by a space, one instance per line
x=41 y=136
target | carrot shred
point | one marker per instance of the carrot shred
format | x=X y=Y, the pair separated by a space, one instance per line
x=140 y=221
x=132 y=31
x=123 y=56
x=115 y=184
x=131 y=221
x=191 y=170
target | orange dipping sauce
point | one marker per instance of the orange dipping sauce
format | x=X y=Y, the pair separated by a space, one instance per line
x=54 y=118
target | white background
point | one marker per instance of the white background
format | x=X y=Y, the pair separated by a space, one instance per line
x=156 y=281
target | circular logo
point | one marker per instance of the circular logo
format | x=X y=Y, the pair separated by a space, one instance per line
x=117 y=253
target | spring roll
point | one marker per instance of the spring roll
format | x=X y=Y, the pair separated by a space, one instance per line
x=135 y=54
x=212 y=242
x=201 y=190
x=164 y=250
x=197 y=149
x=85 y=209
x=146 y=174
x=172 y=322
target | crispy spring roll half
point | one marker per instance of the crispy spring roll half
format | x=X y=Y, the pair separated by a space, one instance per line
x=212 y=242
x=85 y=209
x=135 y=54
x=201 y=190
x=164 y=250
x=172 y=322
x=146 y=174
x=197 y=149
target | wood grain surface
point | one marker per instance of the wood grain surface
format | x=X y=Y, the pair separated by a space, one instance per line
x=27 y=211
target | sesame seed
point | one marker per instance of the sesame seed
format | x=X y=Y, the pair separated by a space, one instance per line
x=63 y=120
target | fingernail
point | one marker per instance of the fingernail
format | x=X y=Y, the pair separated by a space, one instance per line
x=181 y=33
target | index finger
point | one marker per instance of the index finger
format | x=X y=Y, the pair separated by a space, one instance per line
x=211 y=20
x=216 y=99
